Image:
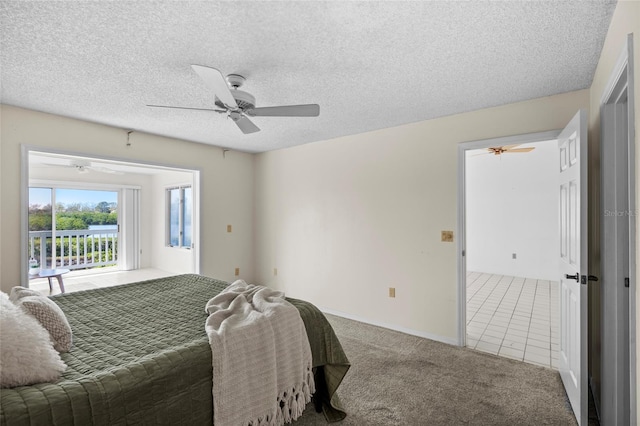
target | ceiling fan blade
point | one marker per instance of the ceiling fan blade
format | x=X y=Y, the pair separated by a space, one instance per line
x=510 y=146
x=519 y=150
x=216 y=82
x=106 y=170
x=246 y=125
x=57 y=165
x=178 y=107
x=308 y=110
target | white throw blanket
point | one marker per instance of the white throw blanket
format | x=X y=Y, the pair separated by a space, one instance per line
x=262 y=366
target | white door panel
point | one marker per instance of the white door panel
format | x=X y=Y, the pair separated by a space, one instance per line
x=572 y=144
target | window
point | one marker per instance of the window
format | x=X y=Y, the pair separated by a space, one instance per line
x=179 y=213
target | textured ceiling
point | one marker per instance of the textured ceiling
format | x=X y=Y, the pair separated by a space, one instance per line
x=369 y=65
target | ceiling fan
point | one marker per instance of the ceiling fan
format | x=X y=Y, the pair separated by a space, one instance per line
x=240 y=105
x=507 y=149
x=82 y=167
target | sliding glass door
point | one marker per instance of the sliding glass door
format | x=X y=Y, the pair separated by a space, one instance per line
x=72 y=228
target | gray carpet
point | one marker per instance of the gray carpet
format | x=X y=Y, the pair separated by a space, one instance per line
x=398 y=379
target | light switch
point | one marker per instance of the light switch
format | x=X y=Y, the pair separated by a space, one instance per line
x=447 y=236
x=228 y=228
x=237 y=272
x=392 y=292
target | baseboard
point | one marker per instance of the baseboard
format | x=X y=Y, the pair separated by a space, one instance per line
x=430 y=336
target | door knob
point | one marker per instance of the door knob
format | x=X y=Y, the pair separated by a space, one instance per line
x=586 y=278
x=573 y=277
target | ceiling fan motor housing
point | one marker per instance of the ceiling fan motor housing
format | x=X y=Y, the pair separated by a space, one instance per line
x=235 y=81
x=245 y=101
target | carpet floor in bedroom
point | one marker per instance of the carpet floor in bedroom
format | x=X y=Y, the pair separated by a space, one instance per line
x=399 y=379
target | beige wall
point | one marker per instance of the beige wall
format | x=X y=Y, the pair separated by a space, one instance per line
x=227 y=184
x=625 y=20
x=342 y=220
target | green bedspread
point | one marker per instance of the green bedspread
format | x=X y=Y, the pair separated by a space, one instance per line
x=141 y=356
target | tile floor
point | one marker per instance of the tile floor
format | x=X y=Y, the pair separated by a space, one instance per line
x=96 y=278
x=513 y=317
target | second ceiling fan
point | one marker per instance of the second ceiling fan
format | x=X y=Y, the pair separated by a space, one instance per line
x=507 y=149
x=240 y=105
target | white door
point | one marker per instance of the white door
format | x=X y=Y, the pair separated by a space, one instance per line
x=573 y=263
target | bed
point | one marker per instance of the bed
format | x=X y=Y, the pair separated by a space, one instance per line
x=141 y=356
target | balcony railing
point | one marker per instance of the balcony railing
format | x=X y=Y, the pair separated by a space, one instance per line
x=74 y=249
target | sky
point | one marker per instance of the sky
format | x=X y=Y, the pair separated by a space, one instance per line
x=42 y=196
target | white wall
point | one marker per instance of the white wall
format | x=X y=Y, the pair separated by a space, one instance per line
x=172 y=259
x=512 y=207
x=227 y=183
x=345 y=219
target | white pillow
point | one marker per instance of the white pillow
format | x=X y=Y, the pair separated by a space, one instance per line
x=18 y=293
x=27 y=355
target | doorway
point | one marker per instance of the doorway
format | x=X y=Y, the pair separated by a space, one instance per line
x=573 y=263
x=141 y=209
x=512 y=300
x=617 y=399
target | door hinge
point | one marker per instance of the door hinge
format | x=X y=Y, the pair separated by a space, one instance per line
x=626 y=282
x=463 y=253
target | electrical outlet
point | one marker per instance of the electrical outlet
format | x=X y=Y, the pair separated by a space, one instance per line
x=392 y=292
x=237 y=272
x=229 y=228
x=447 y=236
